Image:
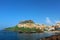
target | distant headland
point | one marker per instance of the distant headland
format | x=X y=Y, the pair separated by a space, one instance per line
x=29 y=26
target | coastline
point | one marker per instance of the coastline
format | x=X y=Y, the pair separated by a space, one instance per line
x=55 y=36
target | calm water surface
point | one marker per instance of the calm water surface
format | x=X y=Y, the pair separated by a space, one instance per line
x=8 y=35
x=33 y=36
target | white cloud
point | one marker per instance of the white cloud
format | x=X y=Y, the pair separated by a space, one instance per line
x=48 y=20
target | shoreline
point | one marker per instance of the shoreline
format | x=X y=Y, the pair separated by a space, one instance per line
x=50 y=32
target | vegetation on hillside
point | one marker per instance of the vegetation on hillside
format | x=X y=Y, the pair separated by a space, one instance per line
x=22 y=29
x=30 y=30
x=14 y=28
x=26 y=21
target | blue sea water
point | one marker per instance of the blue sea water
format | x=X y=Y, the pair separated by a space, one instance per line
x=8 y=35
x=33 y=36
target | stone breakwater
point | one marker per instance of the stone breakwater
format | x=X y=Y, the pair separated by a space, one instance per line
x=56 y=36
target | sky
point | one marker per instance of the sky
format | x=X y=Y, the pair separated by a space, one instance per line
x=40 y=11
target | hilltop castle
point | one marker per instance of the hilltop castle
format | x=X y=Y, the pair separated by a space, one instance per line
x=31 y=24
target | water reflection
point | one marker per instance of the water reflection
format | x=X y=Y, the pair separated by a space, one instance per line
x=32 y=36
x=25 y=36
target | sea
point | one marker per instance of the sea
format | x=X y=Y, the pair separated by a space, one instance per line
x=10 y=35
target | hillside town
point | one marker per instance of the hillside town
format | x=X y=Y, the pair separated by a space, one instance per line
x=31 y=24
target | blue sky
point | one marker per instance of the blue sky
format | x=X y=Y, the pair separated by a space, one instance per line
x=40 y=11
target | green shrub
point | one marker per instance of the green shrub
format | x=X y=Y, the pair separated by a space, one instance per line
x=24 y=29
